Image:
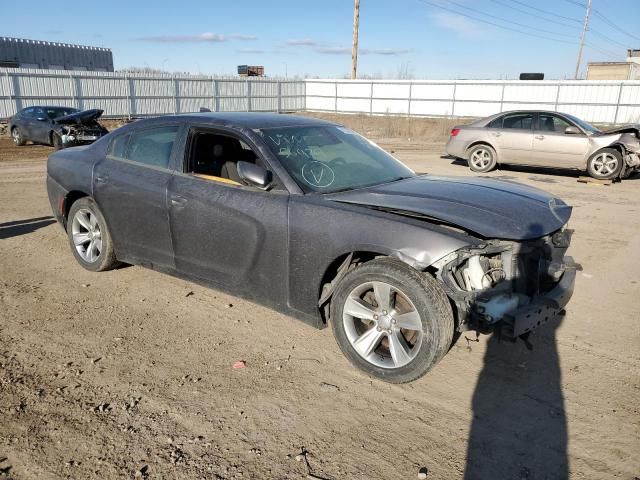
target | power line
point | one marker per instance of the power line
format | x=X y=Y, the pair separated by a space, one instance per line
x=507 y=20
x=614 y=25
x=553 y=14
x=605 y=52
x=495 y=24
x=611 y=40
x=564 y=24
x=581 y=5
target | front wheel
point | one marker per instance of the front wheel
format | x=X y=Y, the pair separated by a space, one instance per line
x=482 y=158
x=89 y=236
x=56 y=141
x=391 y=321
x=605 y=164
x=17 y=137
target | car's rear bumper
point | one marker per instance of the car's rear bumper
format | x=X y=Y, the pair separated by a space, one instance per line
x=57 y=195
x=456 y=148
x=542 y=308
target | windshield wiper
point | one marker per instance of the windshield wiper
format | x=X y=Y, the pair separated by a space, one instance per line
x=397 y=179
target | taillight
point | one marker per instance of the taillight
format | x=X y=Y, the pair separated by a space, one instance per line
x=455 y=132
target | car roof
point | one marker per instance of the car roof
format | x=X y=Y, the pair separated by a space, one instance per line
x=50 y=106
x=250 y=120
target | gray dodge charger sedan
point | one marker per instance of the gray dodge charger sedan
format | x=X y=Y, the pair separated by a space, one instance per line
x=315 y=221
x=546 y=139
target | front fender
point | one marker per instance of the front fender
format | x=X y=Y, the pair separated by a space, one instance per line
x=323 y=231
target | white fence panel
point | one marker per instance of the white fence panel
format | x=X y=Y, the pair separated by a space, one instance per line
x=595 y=101
x=359 y=105
x=120 y=94
x=392 y=90
x=530 y=93
x=585 y=93
x=321 y=103
x=432 y=108
x=431 y=92
x=390 y=106
x=320 y=89
x=478 y=92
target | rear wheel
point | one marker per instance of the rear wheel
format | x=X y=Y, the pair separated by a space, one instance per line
x=391 y=321
x=605 y=164
x=482 y=158
x=17 y=137
x=89 y=236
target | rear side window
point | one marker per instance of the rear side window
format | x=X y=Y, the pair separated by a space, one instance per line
x=150 y=146
x=497 y=123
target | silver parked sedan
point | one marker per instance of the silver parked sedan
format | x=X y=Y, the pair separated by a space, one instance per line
x=546 y=139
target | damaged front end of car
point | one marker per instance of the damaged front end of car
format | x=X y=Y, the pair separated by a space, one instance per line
x=509 y=287
x=80 y=128
x=627 y=140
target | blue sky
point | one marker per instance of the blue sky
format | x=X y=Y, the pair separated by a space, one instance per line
x=313 y=38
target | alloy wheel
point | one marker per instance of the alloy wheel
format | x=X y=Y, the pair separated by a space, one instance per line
x=15 y=134
x=605 y=164
x=481 y=158
x=382 y=324
x=87 y=238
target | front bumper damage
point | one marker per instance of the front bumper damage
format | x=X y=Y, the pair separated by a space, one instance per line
x=542 y=308
x=510 y=287
x=73 y=135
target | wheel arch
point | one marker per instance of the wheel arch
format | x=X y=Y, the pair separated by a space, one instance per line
x=339 y=266
x=479 y=142
x=69 y=199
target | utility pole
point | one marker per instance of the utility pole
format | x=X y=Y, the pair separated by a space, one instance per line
x=354 y=49
x=585 y=27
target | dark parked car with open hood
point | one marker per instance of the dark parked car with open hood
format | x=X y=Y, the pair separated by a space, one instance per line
x=59 y=127
x=314 y=220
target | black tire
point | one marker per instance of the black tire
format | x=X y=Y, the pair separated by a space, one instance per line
x=430 y=301
x=595 y=162
x=106 y=259
x=487 y=158
x=18 y=139
x=56 y=141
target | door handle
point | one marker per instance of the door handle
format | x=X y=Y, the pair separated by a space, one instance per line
x=102 y=179
x=540 y=137
x=178 y=201
x=497 y=134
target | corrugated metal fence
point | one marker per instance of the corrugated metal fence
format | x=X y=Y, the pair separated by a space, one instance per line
x=594 y=101
x=122 y=95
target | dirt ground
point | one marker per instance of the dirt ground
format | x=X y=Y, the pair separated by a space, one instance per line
x=129 y=373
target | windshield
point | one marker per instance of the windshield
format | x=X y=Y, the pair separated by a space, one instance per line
x=587 y=127
x=331 y=158
x=58 y=112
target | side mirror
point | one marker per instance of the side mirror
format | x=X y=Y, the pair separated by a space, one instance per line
x=572 y=131
x=254 y=174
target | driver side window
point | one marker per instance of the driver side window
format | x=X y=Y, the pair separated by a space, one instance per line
x=215 y=156
x=552 y=123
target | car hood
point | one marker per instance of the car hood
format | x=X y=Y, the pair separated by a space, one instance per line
x=631 y=128
x=486 y=207
x=85 y=116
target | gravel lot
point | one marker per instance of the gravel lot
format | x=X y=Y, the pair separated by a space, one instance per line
x=129 y=373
